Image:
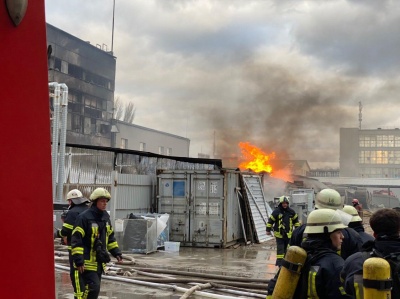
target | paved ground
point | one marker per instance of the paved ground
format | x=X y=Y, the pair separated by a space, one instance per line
x=253 y=261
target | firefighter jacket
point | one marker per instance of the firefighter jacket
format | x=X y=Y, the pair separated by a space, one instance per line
x=282 y=222
x=323 y=278
x=352 y=273
x=297 y=236
x=69 y=222
x=320 y=274
x=359 y=228
x=352 y=241
x=91 y=224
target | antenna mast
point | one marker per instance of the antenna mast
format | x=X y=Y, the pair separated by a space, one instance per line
x=359 y=114
x=214 y=146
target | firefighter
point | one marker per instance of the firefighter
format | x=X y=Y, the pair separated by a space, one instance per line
x=385 y=224
x=331 y=199
x=282 y=221
x=77 y=204
x=356 y=223
x=358 y=207
x=320 y=276
x=92 y=237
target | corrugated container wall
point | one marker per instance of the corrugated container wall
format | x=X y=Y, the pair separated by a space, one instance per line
x=203 y=207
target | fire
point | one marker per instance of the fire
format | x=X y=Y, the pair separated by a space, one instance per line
x=254 y=158
x=258 y=161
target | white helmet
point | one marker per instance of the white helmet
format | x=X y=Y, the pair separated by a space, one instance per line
x=329 y=199
x=323 y=221
x=100 y=193
x=353 y=212
x=76 y=197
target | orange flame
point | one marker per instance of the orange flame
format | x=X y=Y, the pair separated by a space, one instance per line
x=258 y=161
x=254 y=158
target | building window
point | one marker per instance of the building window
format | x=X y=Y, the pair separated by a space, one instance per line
x=169 y=151
x=124 y=143
x=160 y=150
x=76 y=123
x=142 y=146
x=64 y=67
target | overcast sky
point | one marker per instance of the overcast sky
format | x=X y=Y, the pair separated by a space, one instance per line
x=282 y=75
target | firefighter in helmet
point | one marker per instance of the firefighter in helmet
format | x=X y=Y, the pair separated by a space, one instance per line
x=77 y=204
x=320 y=273
x=282 y=222
x=357 y=224
x=321 y=277
x=331 y=199
x=92 y=237
x=356 y=203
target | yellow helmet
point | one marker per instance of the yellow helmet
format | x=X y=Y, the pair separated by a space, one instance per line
x=284 y=199
x=353 y=212
x=328 y=199
x=100 y=193
x=323 y=221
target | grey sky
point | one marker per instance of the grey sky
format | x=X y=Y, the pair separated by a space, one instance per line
x=283 y=75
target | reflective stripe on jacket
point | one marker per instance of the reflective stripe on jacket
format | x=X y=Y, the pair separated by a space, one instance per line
x=282 y=222
x=84 y=236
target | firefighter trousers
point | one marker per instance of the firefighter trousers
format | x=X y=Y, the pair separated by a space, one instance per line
x=87 y=284
x=281 y=247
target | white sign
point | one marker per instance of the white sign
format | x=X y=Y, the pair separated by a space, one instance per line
x=213 y=188
x=213 y=208
x=201 y=185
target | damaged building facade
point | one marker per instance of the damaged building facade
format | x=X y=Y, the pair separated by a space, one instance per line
x=89 y=71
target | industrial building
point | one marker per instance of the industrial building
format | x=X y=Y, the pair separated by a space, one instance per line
x=370 y=153
x=134 y=137
x=89 y=71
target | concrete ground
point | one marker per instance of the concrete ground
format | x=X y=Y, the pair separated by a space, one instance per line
x=256 y=261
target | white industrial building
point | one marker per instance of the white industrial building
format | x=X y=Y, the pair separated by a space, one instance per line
x=134 y=137
x=370 y=153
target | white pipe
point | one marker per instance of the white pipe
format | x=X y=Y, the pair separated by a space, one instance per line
x=54 y=151
x=63 y=133
x=242 y=293
x=236 y=292
x=157 y=285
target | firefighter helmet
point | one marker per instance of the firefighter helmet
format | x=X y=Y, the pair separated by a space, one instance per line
x=328 y=199
x=76 y=197
x=323 y=221
x=353 y=212
x=100 y=193
x=283 y=199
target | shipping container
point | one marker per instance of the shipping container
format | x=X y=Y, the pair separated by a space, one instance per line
x=203 y=207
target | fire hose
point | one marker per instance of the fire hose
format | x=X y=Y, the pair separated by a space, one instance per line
x=165 y=286
x=241 y=286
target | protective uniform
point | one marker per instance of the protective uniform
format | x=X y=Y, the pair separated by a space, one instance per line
x=320 y=274
x=356 y=224
x=91 y=227
x=331 y=199
x=386 y=245
x=358 y=207
x=282 y=221
x=77 y=206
